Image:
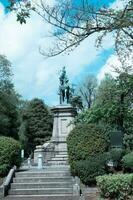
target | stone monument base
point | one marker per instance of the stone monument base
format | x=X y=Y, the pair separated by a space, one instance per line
x=63 y=117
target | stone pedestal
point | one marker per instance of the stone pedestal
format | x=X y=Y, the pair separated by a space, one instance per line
x=63 y=117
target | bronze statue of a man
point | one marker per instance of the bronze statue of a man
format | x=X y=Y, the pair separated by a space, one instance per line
x=64 y=88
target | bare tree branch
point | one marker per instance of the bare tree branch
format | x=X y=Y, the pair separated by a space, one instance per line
x=75 y=22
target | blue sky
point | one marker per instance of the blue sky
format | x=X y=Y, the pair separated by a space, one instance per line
x=36 y=77
x=5 y=2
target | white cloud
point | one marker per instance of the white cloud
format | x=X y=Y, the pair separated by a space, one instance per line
x=33 y=75
x=111 y=65
x=108 y=68
x=118 y=4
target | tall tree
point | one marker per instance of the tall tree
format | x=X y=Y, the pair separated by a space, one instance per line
x=36 y=124
x=113 y=106
x=8 y=100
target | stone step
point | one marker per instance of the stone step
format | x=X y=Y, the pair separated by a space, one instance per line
x=43 y=174
x=58 y=159
x=57 y=165
x=57 y=162
x=41 y=197
x=61 y=156
x=41 y=185
x=58 y=168
x=41 y=191
x=62 y=153
x=42 y=179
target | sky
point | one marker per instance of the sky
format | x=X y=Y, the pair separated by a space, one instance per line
x=35 y=76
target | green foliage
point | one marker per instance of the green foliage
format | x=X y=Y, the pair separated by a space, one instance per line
x=22 y=16
x=23 y=12
x=76 y=102
x=36 y=124
x=9 y=154
x=8 y=101
x=127 y=161
x=86 y=140
x=107 y=105
x=128 y=136
x=113 y=106
x=115 y=155
x=5 y=69
x=85 y=144
x=116 y=187
x=104 y=109
x=22 y=135
x=89 y=169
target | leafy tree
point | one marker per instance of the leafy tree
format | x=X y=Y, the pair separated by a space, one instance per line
x=5 y=70
x=23 y=129
x=113 y=106
x=107 y=101
x=9 y=100
x=75 y=22
x=36 y=124
x=23 y=134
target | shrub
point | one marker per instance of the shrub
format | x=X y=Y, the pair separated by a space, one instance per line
x=9 y=154
x=127 y=161
x=115 y=155
x=86 y=140
x=115 y=187
x=87 y=170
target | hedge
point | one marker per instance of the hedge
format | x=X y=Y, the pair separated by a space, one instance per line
x=86 y=140
x=88 y=170
x=86 y=144
x=116 y=187
x=127 y=161
x=9 y=154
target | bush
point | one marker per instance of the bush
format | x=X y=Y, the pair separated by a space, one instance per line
x=127 y=161
x=116 y=187
x=87 y=170
x=86 y=140
x=9 y=154
x=115 y=155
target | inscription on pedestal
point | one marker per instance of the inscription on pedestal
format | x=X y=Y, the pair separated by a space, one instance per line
x=64 y=126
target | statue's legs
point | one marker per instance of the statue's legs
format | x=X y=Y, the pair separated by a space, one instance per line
x=63 y=95
x=60 y=100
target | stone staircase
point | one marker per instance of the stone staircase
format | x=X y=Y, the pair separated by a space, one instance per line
x=59 y=159
x=54 y=182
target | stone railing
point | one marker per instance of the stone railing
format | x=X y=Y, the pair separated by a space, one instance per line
x=6 y=185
